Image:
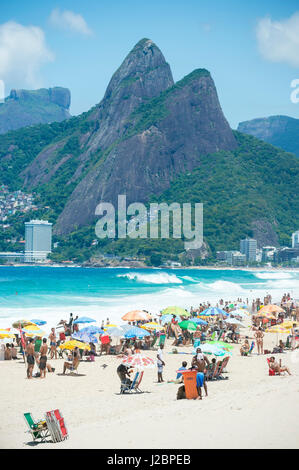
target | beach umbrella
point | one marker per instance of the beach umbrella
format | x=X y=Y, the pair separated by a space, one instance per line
x=84 y=320
x=33 y=331
x=234 y=321
x=116 y=332
x=265 y=315
x=39 y=322
x=70 y=345
x=5 y=333
x=85 y=337
x=111 y=325
x=22 y=323
x=139 y=361
x=188 y=325
x=198 y=321
x=240 y=313
x=181 y=312
x=277 y=329
x=211 y=349
x=287 y=324
x=242 y=306
x=221 y=344
x=211 y=311
x=153 y=326
x=136 y=315
x=93 y=330
x=136 y=332
x=126 y=327
x=271 y=308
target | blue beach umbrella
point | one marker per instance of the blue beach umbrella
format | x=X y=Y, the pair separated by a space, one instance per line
x=213 y=311
x=198 y=321
x=211 y=349
x=85 y=337
x=39 y=322
x=93 y=330
x=136 y=332
x=84 y=320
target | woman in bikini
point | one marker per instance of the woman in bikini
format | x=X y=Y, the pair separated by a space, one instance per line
x=259 y=335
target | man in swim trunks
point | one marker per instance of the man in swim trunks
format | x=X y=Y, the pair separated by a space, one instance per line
x=30 y=358
x=199 y=362
x=53 y=343
x=43 y=358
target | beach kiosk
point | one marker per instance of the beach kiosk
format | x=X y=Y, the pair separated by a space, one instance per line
x=190 y=383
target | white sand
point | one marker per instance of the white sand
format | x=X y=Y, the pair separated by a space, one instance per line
x=249 y=410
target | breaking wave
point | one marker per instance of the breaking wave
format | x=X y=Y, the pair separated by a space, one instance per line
x=161 y=278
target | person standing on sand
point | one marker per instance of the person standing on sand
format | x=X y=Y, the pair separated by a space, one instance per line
x=30 y=357
x=43 y=358
x=259 y=335
x=160 y=363
x=53 y=343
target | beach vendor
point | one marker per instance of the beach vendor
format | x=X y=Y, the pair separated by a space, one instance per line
x=160 y=363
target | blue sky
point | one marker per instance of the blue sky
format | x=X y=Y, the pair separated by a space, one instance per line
x=250 y=48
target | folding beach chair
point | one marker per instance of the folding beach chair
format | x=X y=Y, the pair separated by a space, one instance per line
x=215 y=372
x=37 y=429
x=53 y=426
x=250 y=349
x=61 y=424
x=126 y=386
x=135 y=387
x=221 y=369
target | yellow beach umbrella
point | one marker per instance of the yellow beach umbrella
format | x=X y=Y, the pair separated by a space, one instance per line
x=288 y=324
x=6 y=334
x=277 y=329
x=74 y=344
x=110 y=326
x=22 y=323
x=152 y=326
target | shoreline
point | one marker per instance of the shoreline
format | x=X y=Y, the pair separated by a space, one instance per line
x=188 y=268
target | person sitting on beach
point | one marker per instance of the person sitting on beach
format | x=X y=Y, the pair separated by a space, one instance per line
x=245 y=347
x=14 y=353
x=71 y=363
x=179 y=376
x=124 y=373
x=7 y=353
x=277 y=367
x=43 y=358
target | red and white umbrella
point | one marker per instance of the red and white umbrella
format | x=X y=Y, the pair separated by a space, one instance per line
x=138 y=361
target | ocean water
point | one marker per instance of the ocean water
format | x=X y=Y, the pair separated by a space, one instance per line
x=51 y=293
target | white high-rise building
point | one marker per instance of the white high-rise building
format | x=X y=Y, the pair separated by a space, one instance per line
x=38 y=240
x=295 y=239
x=248 y=247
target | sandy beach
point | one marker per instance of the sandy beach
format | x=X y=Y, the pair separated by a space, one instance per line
x=249 y=410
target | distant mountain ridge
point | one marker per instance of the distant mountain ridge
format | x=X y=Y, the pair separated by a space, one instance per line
x=152 y=138
x=280 y=131
x=24 y=108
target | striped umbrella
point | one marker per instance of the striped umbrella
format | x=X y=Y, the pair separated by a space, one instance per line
x=139 y=361
x=271 y=308
x=153 y=326
x=198 y=321
x=213 y=311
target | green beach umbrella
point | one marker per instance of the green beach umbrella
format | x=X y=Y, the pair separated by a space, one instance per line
x=176 y=311
x=188 y=325
x=221 y=344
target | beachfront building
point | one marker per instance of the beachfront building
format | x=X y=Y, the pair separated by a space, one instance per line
x=238 y=259
x=295 y=239
x=268 y=253
x=248 y=247
x=11 y=257
x=38 y=240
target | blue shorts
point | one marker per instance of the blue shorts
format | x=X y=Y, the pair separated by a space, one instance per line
x=200 y=377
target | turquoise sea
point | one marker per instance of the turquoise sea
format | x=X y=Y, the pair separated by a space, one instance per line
x=51 y=293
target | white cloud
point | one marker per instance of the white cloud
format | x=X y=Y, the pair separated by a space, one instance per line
x=23 y=50
x=278 y=41
x=70 y=21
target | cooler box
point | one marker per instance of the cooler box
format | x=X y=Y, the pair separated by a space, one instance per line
x=190 y=383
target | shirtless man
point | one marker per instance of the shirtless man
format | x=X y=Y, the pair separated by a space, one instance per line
x=199 y=362
x=259 y=335
x=52 y=338
x=30 y=357
x=43 y=358
x=277 y=367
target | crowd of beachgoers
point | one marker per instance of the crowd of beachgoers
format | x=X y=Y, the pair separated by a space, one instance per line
x=211 y=332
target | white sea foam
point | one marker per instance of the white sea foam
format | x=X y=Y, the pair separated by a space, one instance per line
x=160 y=278
x=272 y=275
